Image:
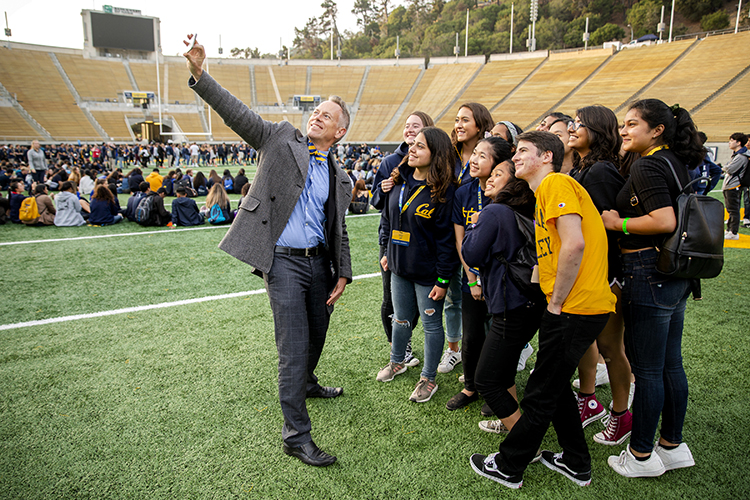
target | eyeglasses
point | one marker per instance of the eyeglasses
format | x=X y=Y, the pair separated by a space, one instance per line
x=575 y=125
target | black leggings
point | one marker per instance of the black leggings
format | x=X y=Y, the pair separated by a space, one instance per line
x=496 y=371
x=475 y=322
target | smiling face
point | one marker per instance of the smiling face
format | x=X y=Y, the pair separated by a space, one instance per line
x=579 y=138
x=637 y=135
x=545 y=123
x=498 y=179
x=560 y=129
x=419 y=154
x=528 y=162
x=411 y=128
x=465 y=126
x=323 y=127
x=480 y=163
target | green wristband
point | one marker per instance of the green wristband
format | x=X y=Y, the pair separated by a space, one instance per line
x=473 y=284
x=444 y=282
x=625 y=225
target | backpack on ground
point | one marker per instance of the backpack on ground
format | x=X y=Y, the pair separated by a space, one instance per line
x=216 y=215
x=521 y=267
x=228 y=184
x=29 y=211
x=695 y=249
x=185 y=184
x=145 y=213
x=745 y=173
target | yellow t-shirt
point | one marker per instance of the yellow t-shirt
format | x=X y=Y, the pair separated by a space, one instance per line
x=557 y=195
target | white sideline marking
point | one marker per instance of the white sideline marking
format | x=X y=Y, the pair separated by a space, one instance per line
x=101 y=314
x=111 y=235
x=162 y=231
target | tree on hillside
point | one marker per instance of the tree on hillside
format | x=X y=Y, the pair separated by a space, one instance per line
x=329 y=16
x=246 y=53
x=719 y=20
x=644 y=16
x=607 y=33
x=694 y=10
x=307 y=42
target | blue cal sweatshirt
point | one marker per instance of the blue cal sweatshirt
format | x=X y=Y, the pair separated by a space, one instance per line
x=379 y=198
x=495 y=233
x=431 y=253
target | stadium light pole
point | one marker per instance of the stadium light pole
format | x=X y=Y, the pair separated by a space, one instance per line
x=511 y=28
x=586 y=36
x=466 y=43
x=736 y=22
x=671 y=23
x=660 y=27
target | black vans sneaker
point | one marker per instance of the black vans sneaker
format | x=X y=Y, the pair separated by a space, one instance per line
x=485 y=466
x=555 y=462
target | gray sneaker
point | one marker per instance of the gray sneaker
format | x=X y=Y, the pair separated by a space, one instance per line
x=497 y=426
x=424 y=391
x=390 y=371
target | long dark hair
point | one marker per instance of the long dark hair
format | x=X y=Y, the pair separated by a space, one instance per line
x=199 y=180
x=102 y=192
x=500 y=149
x=517 y=194
x=679 y=133
x=442 y=160
x=482 y=117
x=604 y=135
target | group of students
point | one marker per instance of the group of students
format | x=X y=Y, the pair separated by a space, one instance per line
x=602 y=196
x=98 y=205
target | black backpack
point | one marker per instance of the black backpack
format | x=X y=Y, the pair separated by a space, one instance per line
x=521 y=267
x=744 y=175
x=145 y=213
x=695 y=249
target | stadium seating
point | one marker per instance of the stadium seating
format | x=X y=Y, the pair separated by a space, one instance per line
x=518 y=88
x=31 y=76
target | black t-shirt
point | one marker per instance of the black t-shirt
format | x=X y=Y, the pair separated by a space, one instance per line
x=654 y=187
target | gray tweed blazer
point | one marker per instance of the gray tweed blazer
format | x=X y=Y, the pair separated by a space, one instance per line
x=278 y=183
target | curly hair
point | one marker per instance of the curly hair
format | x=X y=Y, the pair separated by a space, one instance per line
x=440 y=175
x=604 y=135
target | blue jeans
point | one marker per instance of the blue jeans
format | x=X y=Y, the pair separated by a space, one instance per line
x=453 y=307
x=653 y=306
x=408 y=299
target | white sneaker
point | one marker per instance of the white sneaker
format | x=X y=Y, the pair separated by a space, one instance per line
x=602 y=376
x=627 y=465
x=496 y=426
x=746 y=221
x=731 y=236
x=675 y=459
x=450 y=359
x=462 y=378
x=525 y=354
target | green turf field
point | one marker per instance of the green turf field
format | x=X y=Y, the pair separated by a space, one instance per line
x=181 y=401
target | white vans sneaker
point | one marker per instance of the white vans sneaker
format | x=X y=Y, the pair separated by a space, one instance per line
x=525 y=354
x=627 y=465
x=675 y=459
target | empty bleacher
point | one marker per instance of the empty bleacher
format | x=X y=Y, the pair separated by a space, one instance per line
x=31 y=76
x=95 y=80
x=712 y=63
x=545 y=88
x=727 y=113
x=384 y=92
x=343 y=81
x=13 y=125
x=518 y=88
x=628 y=71
x=491 y=85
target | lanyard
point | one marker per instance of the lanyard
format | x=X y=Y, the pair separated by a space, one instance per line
x=463 y=171
x=402 y=208
x=657 y=149
x=479 y=196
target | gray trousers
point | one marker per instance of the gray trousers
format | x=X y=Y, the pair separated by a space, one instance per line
x=298 y=290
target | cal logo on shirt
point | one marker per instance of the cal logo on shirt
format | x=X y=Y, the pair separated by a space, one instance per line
x=424 y=211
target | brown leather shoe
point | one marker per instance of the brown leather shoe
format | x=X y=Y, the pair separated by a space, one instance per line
x=310 y=454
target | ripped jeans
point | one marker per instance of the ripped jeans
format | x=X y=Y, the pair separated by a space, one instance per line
x=408 y=298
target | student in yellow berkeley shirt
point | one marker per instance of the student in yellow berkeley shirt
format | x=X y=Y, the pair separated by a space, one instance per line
x=572 y=252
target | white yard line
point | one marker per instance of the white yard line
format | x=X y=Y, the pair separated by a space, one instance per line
x=161 y=231
x=136 y=309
